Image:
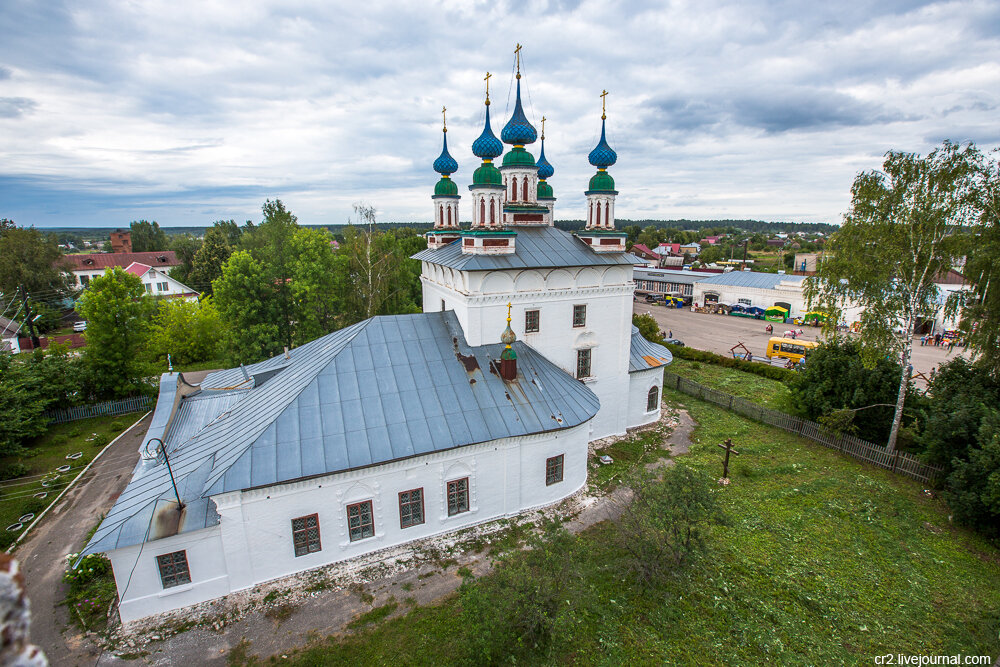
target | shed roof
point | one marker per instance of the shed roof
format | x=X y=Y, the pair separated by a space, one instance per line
x=329 y=407
x=534 y=248
x=752 y=279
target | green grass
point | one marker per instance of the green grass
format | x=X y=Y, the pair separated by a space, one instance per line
x=823 y=561
x=43 y=456
x=767 y=392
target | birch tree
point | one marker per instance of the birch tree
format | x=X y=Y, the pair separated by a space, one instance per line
x=905 y=226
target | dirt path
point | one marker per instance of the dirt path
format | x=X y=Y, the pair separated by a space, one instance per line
x=43 y=553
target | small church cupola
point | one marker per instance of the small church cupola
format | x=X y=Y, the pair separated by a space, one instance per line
x=545 y=196
x=600 y=233
x=487 y=235
x=508 y=358
x=520 y=173
x=445 y=196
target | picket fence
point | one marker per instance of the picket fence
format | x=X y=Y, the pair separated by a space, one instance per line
x=120 y=406
x=895 y=461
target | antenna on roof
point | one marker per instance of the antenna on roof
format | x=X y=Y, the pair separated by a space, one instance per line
x=170 y=364
x=159 y=451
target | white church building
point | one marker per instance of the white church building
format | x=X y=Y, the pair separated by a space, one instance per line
x=401 y=427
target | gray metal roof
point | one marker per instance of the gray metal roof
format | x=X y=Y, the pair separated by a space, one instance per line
x=332 y=408
x=644 y=355
x=535 y=248
x=751 y=279
x=669 y=275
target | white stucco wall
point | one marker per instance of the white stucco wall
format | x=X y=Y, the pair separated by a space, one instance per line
x=137 y=576
x=253 y=541
x=479 y=299
x=640 y=383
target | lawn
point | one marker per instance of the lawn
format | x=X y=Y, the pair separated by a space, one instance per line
x=823 y=561
x=38 y=463
x=767 y=392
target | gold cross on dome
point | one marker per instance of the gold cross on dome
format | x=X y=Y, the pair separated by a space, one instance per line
x=509 y=304
x=517 y=54
x=487 y=80
x=543 y=128
x=604 y=95
x=444 y=119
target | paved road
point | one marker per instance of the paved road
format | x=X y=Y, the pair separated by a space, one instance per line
x=718 y=333
x=62 y=531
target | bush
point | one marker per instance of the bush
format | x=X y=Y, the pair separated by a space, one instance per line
x=100 y=440
x=13 y=471
x=33 y=506
x=75 y=432
x=59 y=439
x=91 y=590
x=116 y=426
x=660 y=529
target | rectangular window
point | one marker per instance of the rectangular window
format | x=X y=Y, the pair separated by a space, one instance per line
x=580 y=316
x=174 y=569
x=162 y=287
x=531 y=321
x=84 y=280
x=554 y=470
x=149 y=287
x=458 y=496
x=583 y=363
x=360 y=521
x=411 y=508
x=305 y=535
x=745 y=302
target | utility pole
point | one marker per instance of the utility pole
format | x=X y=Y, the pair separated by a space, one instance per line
x=745 y=241
x=35 y=343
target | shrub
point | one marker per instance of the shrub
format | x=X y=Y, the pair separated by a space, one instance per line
x=91 y=590
x=100 y=440
x=59 y=439
x=116 y=426
x=33 y=506
x=75 y=432
x=13 y=471
x=660 y=529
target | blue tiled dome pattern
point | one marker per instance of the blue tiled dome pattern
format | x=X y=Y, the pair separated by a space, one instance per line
x=545 y=169
x=445 y=164
x=603 y=156
x=518 y=131
x=487 y=146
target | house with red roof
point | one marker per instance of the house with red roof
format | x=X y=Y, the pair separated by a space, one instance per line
x=644 y=252
x=85 y=267
x=159 y=283
x=665 y=249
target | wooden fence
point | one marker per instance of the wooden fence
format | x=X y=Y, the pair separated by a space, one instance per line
x=106 y=409
x=895 y=461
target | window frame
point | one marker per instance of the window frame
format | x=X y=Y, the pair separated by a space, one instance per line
x=550 y=468
x=177 y=578
x=585 y=353
x=538 y=321
x=653 y=403
x=162 y=286
x=579 y=323
x=457 y=493
x=361 y=526
x=423 y=514
x=308 y=545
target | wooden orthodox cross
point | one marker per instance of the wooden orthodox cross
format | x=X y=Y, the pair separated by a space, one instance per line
x=728 y=446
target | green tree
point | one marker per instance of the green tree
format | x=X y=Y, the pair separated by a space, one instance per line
x=270 y=243
x=973 y=490
x=903 y=229
x=317 y=286
x=186 y=247
x=207 y=263
x=117 y=310
x=189 y=331
x=244 y=296
x=30 y=384
x=648 y=327
x=147 y=236
x=31 y=259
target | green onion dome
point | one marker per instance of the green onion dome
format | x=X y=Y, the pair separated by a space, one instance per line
x=544 y=190
x=602 y=182
x=518 y=157
x=487 y=174
x=446 y=186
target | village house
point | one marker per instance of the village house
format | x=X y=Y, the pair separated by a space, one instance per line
x=86 y=267
x=401 y=427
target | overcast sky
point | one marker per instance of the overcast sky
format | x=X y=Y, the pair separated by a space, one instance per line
x=190 y=111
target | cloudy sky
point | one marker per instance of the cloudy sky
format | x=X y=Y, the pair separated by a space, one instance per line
x=188 y=111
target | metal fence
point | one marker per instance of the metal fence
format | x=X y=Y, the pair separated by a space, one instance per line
x=106 y=409
x=895 y=461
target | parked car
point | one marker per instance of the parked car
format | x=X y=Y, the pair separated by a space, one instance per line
x=79 y=326
x=674 y=341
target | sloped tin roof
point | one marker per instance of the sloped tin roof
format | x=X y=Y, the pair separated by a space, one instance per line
x=534 y=248
x=385 y=389
x=751 y=279
x=644 y=355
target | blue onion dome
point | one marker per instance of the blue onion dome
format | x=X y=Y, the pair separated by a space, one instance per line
x=487 y=146
x=518 y=131
x=603 y=156
x=445 y=164
x=545 y=169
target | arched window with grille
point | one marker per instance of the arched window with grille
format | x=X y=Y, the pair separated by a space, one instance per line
x=653 y=398
x=493 y=216
x=513 y=189
x=482 y=211
x=598 y=214
x=449 y=216
x=607 y=214
x=525 y=189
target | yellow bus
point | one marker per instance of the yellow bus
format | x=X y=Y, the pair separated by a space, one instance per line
x=789 y=348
